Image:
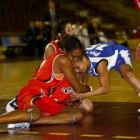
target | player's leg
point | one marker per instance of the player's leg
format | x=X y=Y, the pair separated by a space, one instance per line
x=86 y=106
x=34 y=115
x=127 y=73
x=124 y=64
x=67 y=116
x=18 y=116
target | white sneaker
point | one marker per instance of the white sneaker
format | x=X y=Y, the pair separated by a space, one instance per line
x=11 y=105
x=17 y=130
x=18 y=125
x=10 y=126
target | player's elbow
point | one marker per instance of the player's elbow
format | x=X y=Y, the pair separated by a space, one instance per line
x=78 y=90
x=106 y=89
x=82 y=89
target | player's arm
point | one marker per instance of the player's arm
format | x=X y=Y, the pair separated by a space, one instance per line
x=65 y=66
x=103 y=79
x=49 y=50
x=85 y=78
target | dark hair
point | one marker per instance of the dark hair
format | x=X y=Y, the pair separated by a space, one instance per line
x=71 y=43
x=59 y=27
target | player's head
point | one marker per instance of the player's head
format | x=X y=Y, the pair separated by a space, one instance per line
x=61 y=28
x=51 y=4
x=82 y=65
x=73 y=47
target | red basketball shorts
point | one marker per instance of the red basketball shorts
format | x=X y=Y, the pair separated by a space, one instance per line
x=33 y=95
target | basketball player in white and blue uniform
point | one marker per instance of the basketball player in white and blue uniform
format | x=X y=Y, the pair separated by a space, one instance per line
x=100 y=59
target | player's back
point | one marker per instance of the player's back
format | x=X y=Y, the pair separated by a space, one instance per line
x=45 y=73
x=101 y=50
x=55 y=44
x=104 y=51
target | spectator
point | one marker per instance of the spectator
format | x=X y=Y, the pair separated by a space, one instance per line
x=30 y=38
x=94 y=39
x=47 y=32
x=121 y=38
x=102 y=37
x=85 y=35
x=39 y=47
x=50 y=13
x=101 y=34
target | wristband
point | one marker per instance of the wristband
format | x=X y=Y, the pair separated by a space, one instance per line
x=91 y=89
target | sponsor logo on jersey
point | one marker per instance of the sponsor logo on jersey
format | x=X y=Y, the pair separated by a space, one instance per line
x=67 y=90
x=96 y=53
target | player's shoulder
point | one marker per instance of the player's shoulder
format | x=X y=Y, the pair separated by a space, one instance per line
x=63 y=59
x=50 y=46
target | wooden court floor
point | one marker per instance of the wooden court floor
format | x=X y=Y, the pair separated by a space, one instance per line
x=114 y=117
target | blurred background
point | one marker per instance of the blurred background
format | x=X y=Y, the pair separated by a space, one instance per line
x=117 y=20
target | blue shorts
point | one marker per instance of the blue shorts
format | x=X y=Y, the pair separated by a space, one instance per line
x=124 y=57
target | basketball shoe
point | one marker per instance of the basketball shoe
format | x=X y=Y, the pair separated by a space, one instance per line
x=19 y=125
x=12 y=105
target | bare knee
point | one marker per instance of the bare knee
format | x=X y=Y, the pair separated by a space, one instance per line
x=76 y=116
x=35 y=112
x=128 y=75
x=86 y=106
x=126 y=72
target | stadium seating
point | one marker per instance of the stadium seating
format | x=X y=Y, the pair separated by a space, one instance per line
x=11 y=45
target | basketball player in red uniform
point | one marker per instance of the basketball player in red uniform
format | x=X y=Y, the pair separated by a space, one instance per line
x=60 y=30
x=49 y=91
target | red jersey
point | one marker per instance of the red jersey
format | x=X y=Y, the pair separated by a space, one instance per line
x=46 y=90
x=54 y=43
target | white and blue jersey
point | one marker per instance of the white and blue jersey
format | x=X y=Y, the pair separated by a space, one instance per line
x=113 y=53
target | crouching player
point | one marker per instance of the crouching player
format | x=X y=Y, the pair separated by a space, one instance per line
x=48 y=93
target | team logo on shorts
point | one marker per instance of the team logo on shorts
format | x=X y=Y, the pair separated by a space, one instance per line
x=67 y=90
x=138 y=3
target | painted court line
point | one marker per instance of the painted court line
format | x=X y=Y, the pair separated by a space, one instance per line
x=66 y=134
x=63 y=134
x=88 y=135
x=124 y=137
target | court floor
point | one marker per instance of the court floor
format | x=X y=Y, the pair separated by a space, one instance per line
x=115 y=114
